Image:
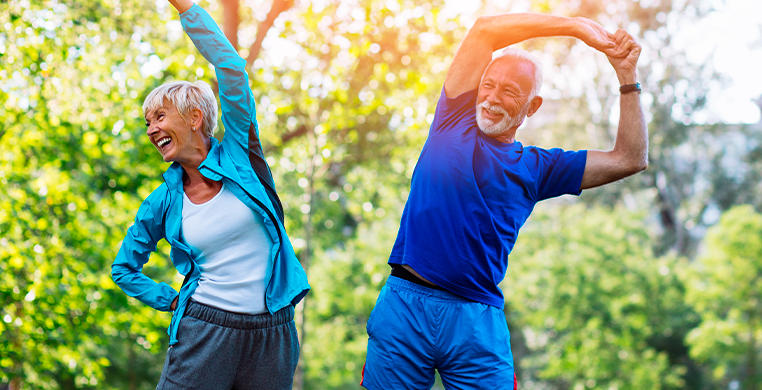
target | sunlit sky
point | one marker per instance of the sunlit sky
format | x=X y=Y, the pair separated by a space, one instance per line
x=734 y=34
x=730 y=37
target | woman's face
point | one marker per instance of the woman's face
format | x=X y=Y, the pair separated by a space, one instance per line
x=170 y=133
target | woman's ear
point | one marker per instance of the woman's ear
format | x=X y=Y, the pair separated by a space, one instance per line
x=196 y=118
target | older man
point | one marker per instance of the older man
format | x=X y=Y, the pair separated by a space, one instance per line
x=472 y=190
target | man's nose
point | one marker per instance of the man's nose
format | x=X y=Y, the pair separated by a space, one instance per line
x=492 y=97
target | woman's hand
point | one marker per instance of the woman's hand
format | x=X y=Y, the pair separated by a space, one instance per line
x=173 y=306
x=181 y=5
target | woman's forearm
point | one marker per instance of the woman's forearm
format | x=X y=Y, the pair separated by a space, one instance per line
x=181 y=5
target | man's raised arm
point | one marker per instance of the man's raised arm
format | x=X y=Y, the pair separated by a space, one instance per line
x=630 y=153
x=491 y=33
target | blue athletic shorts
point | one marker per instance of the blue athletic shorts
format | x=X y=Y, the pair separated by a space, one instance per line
x=414 y=330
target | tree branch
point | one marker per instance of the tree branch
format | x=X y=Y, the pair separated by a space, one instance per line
x=302 y=130
x=278 y=7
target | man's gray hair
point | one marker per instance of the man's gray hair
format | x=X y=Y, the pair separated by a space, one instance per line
x=186 y=96
x=524 y=55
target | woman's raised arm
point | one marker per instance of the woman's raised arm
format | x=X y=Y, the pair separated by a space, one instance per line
x=237 y=101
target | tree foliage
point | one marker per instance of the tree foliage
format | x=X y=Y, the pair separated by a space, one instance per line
x=725 y=288
x=589 y=297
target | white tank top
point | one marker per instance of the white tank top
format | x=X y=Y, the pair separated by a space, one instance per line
x=232 y=248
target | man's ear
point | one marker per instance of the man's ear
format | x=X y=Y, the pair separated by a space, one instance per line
x=534 y=105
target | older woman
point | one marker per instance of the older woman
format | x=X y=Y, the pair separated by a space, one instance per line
x=232 y=325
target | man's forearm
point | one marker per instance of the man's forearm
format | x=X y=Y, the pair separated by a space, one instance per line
x=630 y=153
x=490 y=33
x=632 y=134
x=507 y=29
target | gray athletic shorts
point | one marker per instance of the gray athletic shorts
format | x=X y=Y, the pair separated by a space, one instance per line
x=220 y=350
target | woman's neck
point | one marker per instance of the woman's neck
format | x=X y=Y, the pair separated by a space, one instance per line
x=192 y=176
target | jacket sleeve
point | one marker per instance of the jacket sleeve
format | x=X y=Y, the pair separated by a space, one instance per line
x=236 y=99
x=136 y=248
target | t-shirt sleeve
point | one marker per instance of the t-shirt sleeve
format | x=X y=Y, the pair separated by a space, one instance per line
x=559 y=172
x=454 y=113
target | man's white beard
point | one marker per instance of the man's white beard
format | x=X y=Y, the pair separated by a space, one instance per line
x=491 y=128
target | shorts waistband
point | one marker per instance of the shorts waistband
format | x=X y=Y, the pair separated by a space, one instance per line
x=442 y=295
x=229 y=319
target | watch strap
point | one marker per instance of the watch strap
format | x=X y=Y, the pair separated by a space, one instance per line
x=629 y=88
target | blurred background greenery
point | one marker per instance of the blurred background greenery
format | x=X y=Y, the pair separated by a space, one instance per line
x=650 y=283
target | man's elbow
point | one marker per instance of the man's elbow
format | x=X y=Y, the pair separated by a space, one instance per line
x=637 y=166
x=480 y=29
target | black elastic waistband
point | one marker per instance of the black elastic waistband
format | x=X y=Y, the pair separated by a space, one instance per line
x=229 y=319
x=399 y=271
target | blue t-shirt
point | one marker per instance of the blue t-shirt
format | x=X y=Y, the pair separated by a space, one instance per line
x=470 y=194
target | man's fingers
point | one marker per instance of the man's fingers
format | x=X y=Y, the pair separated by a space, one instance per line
x=610 y=50
x=618 y=36
x=635 y=51
x=607 y=45
x=626 y=45
x=624 y=42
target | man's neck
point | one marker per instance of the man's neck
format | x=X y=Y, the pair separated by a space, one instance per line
x=506 y=137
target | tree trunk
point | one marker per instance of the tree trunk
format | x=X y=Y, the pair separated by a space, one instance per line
x=231 y=21
x=753 y=379
x=276 y=9
x=15 y=383
x=133 y=382
x=307 y=254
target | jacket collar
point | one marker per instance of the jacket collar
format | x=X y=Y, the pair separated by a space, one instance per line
x=174 y=174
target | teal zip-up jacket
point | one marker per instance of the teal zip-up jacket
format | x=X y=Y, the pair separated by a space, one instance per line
x=238 y=161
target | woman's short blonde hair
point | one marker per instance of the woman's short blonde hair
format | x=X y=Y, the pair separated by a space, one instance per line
x=186 y=96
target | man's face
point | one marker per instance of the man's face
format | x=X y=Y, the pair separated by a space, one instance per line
x=503 y=100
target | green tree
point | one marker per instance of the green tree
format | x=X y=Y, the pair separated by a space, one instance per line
x=586 y=297
x=724 y=286
x=75 y=164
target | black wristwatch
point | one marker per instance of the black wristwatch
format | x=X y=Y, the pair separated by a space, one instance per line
x=629 y=88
